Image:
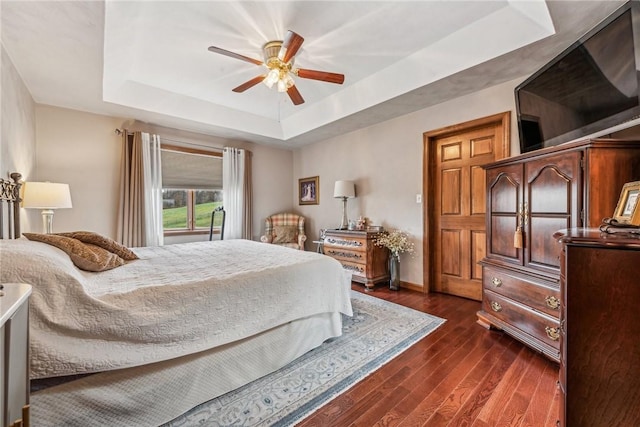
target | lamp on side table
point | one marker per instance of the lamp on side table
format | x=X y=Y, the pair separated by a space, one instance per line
x=344 y=190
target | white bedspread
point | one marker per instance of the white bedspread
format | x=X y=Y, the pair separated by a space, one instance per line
x=175 y=300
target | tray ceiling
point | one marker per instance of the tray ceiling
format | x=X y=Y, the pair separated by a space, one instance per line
x=148 y=60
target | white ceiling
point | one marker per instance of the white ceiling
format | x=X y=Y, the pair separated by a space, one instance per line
x=148 y=60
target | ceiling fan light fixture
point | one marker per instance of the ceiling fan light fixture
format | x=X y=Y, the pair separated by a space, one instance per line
x=272 y=77
x=279 y=56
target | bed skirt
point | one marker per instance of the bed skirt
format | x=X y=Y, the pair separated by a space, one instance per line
x=152 y=395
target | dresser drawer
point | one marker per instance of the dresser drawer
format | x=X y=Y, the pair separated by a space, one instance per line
x=541 y=326
x=359 y=270
x=342 y=254
x=539 y=296
x=347 y=242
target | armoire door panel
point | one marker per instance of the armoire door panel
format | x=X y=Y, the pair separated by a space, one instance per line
x=501 y=246
x=541 y=253
x=505 y=191
x=555 y=188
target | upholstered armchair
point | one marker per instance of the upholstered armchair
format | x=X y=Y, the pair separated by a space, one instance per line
x=285 y=229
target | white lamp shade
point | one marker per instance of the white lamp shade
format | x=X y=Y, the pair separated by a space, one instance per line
x=46 y=195
x=344 y=189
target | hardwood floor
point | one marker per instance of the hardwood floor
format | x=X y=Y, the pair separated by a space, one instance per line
x=459 y=375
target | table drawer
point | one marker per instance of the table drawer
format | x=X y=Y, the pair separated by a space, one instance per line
x=343 y=254
x=349 y=243
x=539 y=325
x=539 y=296
x=355 y=268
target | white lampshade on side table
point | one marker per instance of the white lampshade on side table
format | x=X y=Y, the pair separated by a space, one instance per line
x=344 y=190
x=46 y=196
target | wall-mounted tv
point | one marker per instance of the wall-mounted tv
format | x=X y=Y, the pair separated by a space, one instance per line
x=590 y=87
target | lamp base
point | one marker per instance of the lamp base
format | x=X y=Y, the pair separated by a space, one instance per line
x=344 y=223
x=47 y=221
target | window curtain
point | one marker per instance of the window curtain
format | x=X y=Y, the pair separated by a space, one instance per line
x=140 y=212
x=236 y=186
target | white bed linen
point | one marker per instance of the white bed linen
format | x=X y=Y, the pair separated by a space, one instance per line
x=145 y=396
x=175 y=300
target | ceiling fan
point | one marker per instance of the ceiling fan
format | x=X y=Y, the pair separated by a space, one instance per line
x=278 y=59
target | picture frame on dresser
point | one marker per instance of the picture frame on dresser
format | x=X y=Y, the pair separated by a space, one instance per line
x=628 y=207
x=308 y=191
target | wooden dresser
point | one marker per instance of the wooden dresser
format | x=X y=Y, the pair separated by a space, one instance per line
x=600 y=337
x=572 y=185
x=14 y=354
x=359 y=255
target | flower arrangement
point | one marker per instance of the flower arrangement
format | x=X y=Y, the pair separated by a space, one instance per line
x=396 y=241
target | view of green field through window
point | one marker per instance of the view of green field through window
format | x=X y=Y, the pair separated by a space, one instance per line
x=175 y=208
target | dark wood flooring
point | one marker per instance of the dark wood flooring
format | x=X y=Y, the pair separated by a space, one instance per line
x=459 y=375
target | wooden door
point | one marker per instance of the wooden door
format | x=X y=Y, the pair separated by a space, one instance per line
x=456 y=205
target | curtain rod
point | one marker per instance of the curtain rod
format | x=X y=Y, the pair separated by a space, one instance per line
x=177 y=141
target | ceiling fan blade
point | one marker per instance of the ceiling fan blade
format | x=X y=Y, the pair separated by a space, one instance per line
x=251 y=83
x=234 y=55
x=290 y=46
x=320 y=75
x=295 y=96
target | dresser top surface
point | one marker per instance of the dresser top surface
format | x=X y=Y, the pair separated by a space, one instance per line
x=351 y=232
x=595 y=237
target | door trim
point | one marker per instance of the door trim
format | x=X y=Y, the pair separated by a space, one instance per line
x=429 y=138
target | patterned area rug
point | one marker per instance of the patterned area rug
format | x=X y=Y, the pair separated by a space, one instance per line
x=378 y=331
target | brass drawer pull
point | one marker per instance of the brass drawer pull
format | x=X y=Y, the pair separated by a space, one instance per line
x=495 y=306
x=496 y=282
x=552 y=302
x=553 y=333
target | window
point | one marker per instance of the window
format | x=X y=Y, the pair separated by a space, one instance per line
x=191 y=188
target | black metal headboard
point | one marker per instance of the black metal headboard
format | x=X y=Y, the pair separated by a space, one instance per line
x=10 y=207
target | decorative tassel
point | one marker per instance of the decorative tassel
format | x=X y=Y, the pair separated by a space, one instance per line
x=517 y=238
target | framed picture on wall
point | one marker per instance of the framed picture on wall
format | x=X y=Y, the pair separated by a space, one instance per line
x=309 y=191
x=628 y=208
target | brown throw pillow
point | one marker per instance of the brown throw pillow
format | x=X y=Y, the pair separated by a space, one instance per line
x=103 y=242
x=85 y=256
x=285 y=234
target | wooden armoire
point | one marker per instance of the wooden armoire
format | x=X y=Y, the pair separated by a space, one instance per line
x=529 y=197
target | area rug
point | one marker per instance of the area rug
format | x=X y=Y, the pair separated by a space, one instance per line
x=378 y=331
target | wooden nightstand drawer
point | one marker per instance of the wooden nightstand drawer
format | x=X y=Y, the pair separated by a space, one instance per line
x=538 y=325
x=539 y=296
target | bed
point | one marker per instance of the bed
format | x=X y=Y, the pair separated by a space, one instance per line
x=192 y=320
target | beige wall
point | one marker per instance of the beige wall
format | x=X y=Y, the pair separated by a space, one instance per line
x=385 y=161
x=18 y=128
x=82 y=150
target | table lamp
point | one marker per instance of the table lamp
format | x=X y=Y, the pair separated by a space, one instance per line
x=46 y=196
x=344 y=190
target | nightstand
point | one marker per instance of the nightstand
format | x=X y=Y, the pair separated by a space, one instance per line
x=14 y=354
x=358 y=254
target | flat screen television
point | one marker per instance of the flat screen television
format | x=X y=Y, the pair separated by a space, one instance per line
x=590 y=87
